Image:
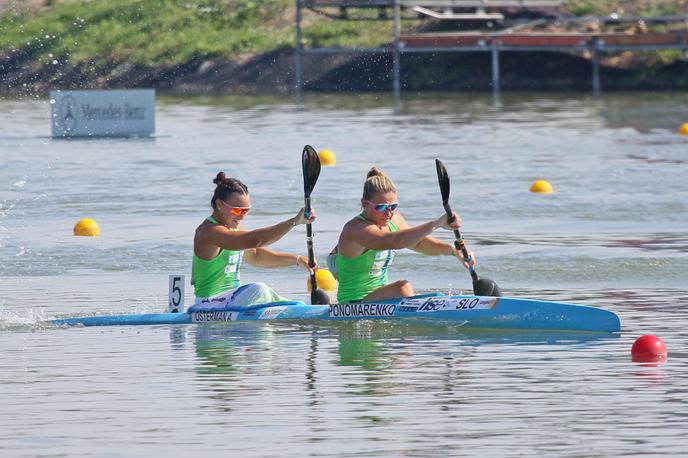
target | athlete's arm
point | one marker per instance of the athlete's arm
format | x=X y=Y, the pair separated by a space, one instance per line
x=223 y=237
x=434 y=247
x=265 y=257
x=427 y=245
x=372 y=237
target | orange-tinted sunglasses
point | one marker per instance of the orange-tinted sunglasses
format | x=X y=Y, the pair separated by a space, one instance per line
x=236 y=211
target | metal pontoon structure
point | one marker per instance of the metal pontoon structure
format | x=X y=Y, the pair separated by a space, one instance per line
x=508 y=39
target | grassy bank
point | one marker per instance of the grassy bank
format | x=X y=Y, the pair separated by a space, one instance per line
x=164 y=32
x=627 y=7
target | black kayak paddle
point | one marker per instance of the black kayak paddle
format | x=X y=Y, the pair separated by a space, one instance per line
x=310 y=163
x=481 y=286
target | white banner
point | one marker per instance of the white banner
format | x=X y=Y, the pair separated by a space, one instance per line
x=106 y=113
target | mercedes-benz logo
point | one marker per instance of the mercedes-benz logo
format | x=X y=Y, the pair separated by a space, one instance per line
x=68 y=113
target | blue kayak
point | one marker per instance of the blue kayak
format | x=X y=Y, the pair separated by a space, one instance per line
x=469 y=311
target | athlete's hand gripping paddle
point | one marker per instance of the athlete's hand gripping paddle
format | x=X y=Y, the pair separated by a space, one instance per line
x=310 y=163
x=481 y=286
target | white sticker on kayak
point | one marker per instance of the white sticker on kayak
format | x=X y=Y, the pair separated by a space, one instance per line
x=410 y=305
x=412 y=302
x=213 y=316
x=271 y=313
x=361 y=310
x=438 y=304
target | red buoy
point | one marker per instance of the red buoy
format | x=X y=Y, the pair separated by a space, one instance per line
x=648 y=349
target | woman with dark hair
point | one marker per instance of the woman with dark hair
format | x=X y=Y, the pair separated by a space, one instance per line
x=368 y=241
x=221 y=244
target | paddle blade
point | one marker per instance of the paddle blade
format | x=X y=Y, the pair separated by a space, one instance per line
x=319 y=297
x=310 y=162
x=443 y=179
x=486 y=287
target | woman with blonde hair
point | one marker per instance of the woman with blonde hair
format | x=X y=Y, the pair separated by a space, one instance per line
x=368 y=242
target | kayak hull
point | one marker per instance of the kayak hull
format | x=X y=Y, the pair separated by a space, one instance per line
x=468 y=311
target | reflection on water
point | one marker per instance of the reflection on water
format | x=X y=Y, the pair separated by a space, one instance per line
x=332 y=381
x=373 y=350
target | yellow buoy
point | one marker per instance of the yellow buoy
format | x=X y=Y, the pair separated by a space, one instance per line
x=541 y=187
x=327 y=157
x=87 y=227
x=683 y=130
x=324 y=279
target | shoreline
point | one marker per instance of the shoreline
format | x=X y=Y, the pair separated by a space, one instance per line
x=273 y=73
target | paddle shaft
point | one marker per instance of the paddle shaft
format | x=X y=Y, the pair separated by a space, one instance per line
x=459 y=244
x=309 y=242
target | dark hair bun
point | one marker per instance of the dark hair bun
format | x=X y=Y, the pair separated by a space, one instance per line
x=220 y=178
x=225 y=187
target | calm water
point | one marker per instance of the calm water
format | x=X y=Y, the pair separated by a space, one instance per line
x=614 y=235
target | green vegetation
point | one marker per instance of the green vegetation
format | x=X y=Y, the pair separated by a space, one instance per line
x=626 y=7
x=165 y=32
x=584 y=7
x=145 y=32
x=348 y=33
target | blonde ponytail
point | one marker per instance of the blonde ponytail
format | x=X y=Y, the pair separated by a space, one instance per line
x=377 y=183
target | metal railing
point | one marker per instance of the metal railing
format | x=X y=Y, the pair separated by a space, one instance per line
x=434 y=3
x=496 y=41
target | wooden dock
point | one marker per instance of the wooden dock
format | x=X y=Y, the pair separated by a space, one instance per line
x=434 y=3
x=515 y=38
x=542 y=40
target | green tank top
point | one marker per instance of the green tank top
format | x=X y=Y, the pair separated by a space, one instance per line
x=365 y=273
x=211 y=277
